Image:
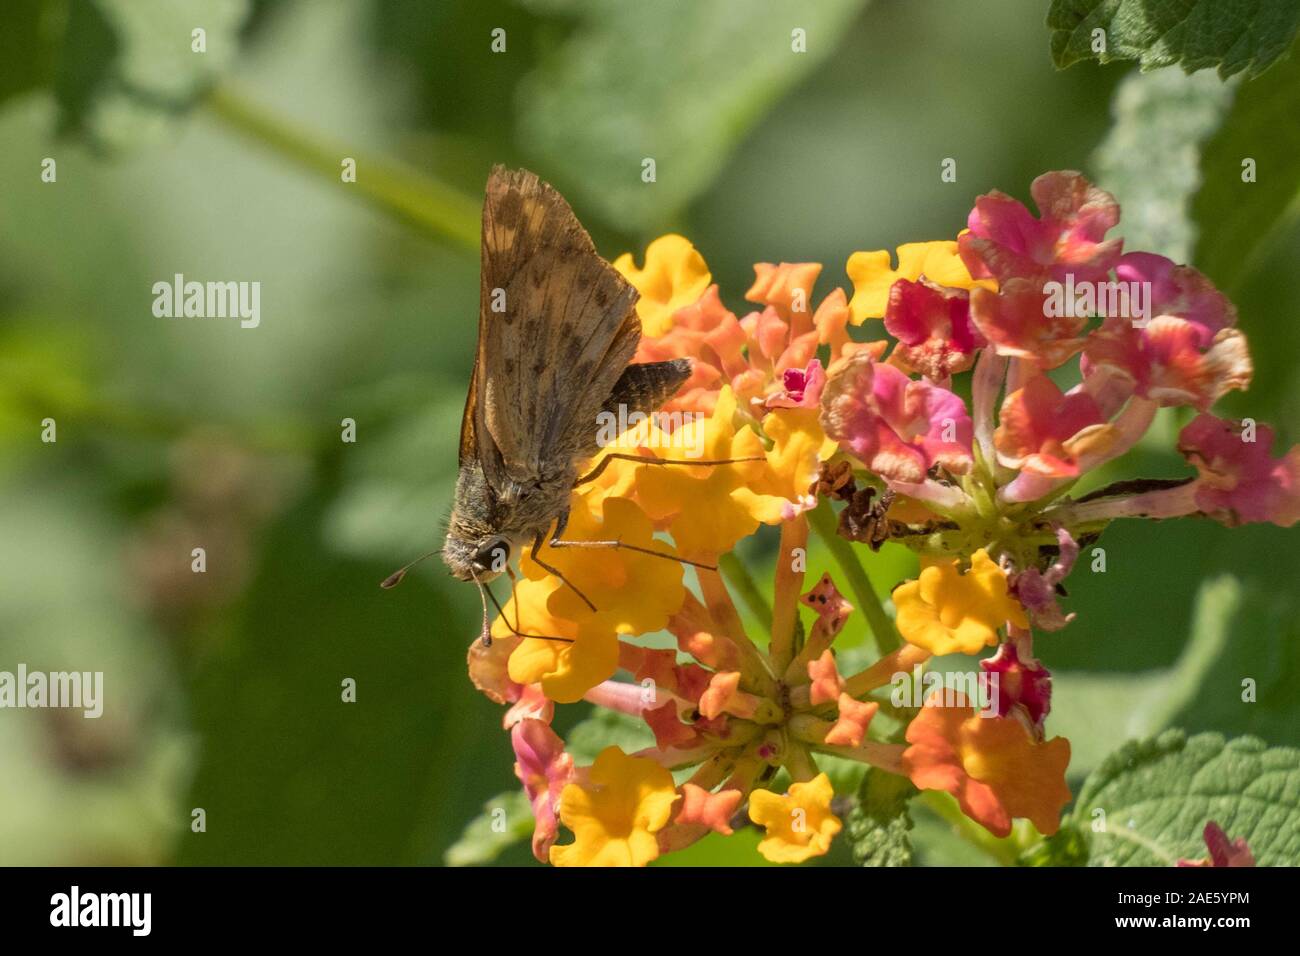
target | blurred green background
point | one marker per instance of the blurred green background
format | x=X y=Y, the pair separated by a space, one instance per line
x=224 y=689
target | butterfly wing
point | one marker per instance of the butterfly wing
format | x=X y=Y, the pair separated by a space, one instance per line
x=557 y=327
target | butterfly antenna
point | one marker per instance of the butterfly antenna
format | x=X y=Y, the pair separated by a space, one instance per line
x=394 y=579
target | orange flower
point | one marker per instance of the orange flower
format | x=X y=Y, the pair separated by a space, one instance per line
x=990 y=764
x=755 y=354
x=713 y=810
x=851 y=726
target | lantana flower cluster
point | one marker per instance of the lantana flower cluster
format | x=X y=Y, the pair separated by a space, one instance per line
x=1062 y=374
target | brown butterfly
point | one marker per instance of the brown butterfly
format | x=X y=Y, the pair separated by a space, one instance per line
x=557 y=330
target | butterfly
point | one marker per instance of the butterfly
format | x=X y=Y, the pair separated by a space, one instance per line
x=557 y=331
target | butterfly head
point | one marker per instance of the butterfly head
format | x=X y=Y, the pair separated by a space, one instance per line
x=477 y=558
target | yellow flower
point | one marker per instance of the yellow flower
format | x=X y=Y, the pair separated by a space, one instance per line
x=675 y=275
x=799 y=446
x=800 y=824
x=618 y=480
x=707 y=509
x=872 y=275
x=615 y=816
x=634 y=593
x=565 y=671
x=947 y=611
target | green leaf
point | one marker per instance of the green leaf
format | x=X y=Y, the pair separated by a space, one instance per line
x=1232 y=35
x=1172 y=114
x=506 y=820
x=121 y=70
x=678 y=81
x=879 y=825
x=1260 y=644
x=1238 y=219
x=1068 y=846
x=606 y=728
x=307 y=777
x=1096 y=711
x=28 y=45
x=937 y=842
x=1156 y=796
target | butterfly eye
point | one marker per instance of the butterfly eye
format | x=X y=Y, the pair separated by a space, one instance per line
x=493 y=556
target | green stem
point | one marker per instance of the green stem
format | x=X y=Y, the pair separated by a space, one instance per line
x=1003 y=849
x=822 y=519
x=741 y=581
x=433 y=207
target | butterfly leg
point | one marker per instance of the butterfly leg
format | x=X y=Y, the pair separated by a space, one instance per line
x=514 y=596
x=486 y=636
x=537 y=546
x=557 y=543
x=652 y=460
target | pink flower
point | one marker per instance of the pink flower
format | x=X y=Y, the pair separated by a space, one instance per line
x=668 y=728
x=1179 y=291
x=1036 y=589
x=802 y=387
x=933 y=328
x=1005 y=240
x=1168 y=360
x=1049 y=433
x=897 y=426
x=1223 y=852
x=544 y=769
x=1017 y=324
x=1239 y=480
x=1021 y=685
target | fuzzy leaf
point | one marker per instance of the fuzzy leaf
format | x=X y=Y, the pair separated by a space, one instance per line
x=1232 y=35
x=879 y=825
x=1158 y=794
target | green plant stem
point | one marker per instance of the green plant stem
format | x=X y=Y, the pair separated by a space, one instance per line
x=434 y=208
x=738 y=576
x=822 y=519
x=1003 y=849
